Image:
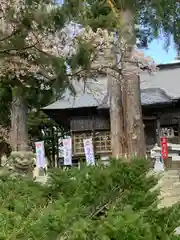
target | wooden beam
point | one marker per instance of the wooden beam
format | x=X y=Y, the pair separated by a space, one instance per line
x=158 y=127
x=149 y=118
x=178 y=130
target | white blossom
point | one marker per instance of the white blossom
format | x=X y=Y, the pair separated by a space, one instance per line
x=36 y=42
x=61 y=43
x=103 y=57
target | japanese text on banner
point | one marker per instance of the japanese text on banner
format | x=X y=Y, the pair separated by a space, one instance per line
x=67 y=150
x=89 y=152
x=164 y=148
x=40 y=155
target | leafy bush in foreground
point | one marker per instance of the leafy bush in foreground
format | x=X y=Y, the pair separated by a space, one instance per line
x=114 y=202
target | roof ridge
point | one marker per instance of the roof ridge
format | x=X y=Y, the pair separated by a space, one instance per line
x=161 y=90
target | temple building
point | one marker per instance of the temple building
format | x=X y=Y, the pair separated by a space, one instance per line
x=87 y=114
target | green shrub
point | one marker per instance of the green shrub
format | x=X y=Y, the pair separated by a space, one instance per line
x=99 y=202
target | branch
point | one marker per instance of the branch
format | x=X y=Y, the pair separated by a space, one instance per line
x=6 y=51
x=46 y=75
x=45 y=53
x=103 y=206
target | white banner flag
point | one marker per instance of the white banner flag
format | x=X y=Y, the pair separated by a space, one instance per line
x=67 y=150
x=89 y=152
x=40 y=155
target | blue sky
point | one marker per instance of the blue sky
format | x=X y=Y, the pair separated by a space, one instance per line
x=159 y=54
x=156 y=50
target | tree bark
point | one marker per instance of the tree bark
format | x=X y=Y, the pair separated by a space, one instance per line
x=134 y=128
x=133 y=117
x=19 y=130
x=116 y=124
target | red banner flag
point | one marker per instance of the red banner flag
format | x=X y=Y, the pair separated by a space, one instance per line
x=164 y=147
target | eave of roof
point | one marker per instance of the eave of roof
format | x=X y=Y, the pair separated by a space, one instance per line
x=148 y=97
x=154 y=90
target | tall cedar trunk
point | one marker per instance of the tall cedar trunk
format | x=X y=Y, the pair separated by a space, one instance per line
x=117 y=133
x=19 y=131
x=133 y=116
x=134 y=129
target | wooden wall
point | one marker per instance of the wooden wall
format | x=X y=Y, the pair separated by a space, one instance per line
x=90 y=123
x=99 y=122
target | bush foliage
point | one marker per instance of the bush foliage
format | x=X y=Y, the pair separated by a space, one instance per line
x=101 y=202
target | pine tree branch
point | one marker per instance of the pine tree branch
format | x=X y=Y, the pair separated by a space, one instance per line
x=104 y=206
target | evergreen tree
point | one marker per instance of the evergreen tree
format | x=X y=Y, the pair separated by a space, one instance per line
x=36 y=119
x=123 y=17
x=34 y=49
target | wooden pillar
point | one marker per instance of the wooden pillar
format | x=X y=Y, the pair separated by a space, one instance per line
x=178 y=129
x=94 y=133
x=158 y=129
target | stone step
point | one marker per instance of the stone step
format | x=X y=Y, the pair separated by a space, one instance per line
x=167 y=182
x=171 y=177
x=176 y=184
x=168 y=201
x=171 y=172
x=173 y=197
x=170 y=193
x=169 y=185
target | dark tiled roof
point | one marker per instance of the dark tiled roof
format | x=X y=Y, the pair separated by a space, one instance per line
x=148 y=97
x=89 y=96
x=167 y=78
x=162 y=87
x=151 y=96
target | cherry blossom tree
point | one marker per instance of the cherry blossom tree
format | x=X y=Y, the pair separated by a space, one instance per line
x=118 y=67
x=102 y=43
x=35 y=46
x=124 y=16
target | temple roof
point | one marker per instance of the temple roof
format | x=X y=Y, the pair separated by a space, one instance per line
x=161 y=87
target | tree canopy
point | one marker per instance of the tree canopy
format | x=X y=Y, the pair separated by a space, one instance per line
x=35 y=46
x=153 y=16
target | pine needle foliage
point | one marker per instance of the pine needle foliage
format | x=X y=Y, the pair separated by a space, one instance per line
x=100 y=202
x=154 y=16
